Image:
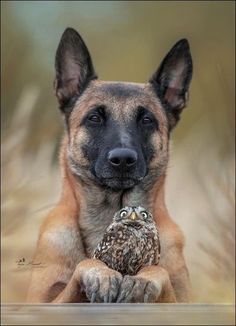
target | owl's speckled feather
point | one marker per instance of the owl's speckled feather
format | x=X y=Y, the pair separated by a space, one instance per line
x=130 y=242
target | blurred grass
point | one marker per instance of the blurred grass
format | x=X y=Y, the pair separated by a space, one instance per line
x=127 y=41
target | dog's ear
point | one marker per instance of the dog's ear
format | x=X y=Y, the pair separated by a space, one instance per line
x=74 y=68
x=171 y=80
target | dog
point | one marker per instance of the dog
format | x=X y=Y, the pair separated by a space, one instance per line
x=114 y=153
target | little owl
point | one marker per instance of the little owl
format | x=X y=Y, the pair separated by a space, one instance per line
x=130 y=242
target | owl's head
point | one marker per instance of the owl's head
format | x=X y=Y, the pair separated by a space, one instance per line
x=132 y=214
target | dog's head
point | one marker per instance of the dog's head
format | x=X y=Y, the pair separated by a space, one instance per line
x=118 y=132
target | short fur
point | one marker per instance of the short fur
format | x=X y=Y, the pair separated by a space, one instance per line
x=114 y=154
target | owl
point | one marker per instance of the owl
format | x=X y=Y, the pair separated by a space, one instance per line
x=130 y=242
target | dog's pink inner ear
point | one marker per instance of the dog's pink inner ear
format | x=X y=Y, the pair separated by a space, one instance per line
x=66 y=89
x=173 y=77
x=176 y=91
x=171 y=96
x=74 y=68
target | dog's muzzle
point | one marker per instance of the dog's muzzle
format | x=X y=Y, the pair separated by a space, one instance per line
x=122 y=159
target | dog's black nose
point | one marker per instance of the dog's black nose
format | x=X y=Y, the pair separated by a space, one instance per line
x=122 y=158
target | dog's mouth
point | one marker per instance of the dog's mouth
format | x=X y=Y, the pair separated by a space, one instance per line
x=119 y=183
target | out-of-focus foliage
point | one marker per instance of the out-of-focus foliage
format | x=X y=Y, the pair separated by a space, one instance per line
x=127 y=41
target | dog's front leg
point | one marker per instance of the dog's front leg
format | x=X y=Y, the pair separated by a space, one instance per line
x=151 y=284
x=95 y=280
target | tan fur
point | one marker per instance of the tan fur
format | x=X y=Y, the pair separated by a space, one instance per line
x=67 y=237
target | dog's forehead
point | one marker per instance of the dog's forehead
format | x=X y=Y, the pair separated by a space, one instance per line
x=121 y=90
x=118 y=94
x=120 y=98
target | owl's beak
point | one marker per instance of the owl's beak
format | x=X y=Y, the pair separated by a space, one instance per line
x=133 y=216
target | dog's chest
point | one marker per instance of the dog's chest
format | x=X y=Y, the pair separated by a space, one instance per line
x=93 y=226
x=98 y=211
x=95 y=216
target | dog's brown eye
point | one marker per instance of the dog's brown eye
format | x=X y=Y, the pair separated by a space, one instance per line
x=95 y=118
x=146 y=120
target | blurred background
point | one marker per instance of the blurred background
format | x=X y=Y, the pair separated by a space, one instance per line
x=127 y=41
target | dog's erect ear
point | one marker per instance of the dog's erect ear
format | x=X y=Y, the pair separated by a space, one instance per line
x=74 y=68
x=171 y=80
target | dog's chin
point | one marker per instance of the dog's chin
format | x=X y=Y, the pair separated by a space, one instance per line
x=119 y=183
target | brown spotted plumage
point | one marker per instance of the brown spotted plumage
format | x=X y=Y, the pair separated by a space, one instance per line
x=130 y=242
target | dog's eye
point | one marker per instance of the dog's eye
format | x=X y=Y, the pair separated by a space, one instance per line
x=95 y=118
x=144 y=214
x=146 y=120
x=123 y=213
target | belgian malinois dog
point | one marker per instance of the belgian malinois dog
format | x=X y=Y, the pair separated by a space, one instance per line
x=114 y=154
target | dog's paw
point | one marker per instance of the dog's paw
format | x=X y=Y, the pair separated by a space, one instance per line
x=100 y=283
x=138 y=289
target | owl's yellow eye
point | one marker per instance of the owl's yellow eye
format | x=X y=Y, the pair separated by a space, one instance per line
x=123 y=213
x=144 y=214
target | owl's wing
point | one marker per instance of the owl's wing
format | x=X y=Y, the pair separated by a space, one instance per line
x=107 y=241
